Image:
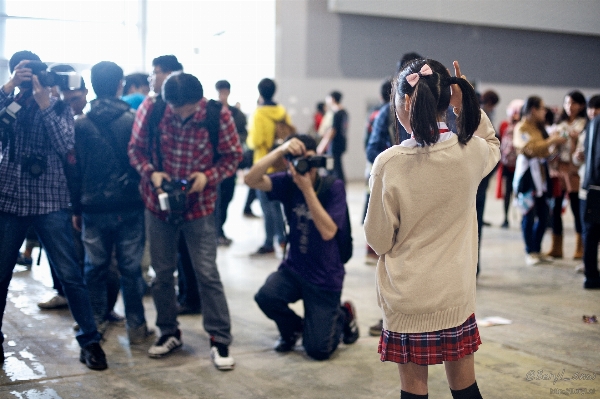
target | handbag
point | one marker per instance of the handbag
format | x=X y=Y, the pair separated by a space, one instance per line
x=592 y=205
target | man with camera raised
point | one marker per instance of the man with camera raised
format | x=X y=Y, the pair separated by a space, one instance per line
x=316 y=210
x=194 y=147
x=33 y=192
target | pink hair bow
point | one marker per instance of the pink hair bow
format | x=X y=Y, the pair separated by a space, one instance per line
x=413 y=78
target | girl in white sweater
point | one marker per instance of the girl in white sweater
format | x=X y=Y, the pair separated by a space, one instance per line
x=422 y=223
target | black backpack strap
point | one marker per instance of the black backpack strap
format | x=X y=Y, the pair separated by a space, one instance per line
x=213 y=125
x=156 y=115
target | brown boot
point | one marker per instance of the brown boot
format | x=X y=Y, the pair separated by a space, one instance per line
x=578 y=247
x=557 y=245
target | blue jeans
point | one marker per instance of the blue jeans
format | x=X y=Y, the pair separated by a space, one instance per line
x=200 y=237
x=273 y=215
x=54 y=231
x=123 y=231
x=534 y=225
x=323 y=315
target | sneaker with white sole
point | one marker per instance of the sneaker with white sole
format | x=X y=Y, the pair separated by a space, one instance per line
x=219 y=353
x=532 y=259
x=166 y=345
x=56 y=302
x=350 y=333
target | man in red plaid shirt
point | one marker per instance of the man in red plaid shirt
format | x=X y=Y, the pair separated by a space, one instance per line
x=181 y=148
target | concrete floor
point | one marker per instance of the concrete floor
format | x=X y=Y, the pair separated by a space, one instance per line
x=547 y=347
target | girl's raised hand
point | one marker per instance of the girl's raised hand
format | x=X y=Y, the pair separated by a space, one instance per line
x=455 y=92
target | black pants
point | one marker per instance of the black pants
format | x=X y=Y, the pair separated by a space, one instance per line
x=224 y=197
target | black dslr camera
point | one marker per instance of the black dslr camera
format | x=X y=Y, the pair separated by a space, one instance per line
x=48 y=78
x=174 y=199
x=304 y=164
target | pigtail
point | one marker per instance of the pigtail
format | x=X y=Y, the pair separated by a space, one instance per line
x=423 y=115
x=470 y=115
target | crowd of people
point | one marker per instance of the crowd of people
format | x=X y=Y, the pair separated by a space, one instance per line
x=152 y=166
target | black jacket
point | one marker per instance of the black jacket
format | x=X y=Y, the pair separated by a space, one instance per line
x=592 y=164
x=103 y=180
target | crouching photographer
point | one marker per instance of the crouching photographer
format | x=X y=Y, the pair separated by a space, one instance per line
x=38 y=140
x=181 y=160
x=320 y=243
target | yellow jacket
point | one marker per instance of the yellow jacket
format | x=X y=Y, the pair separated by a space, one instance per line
x=261 y=131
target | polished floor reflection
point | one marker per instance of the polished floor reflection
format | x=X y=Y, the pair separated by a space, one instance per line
x=547 y=347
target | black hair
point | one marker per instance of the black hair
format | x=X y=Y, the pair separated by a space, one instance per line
x=135 y=80
x=222 y=85
x=594 y=102
x=321 y=107
x=67 y=68
x=266 y=88
x=386 y=90
x=62 y=68
x=168 y=63
x=20 y=56
x=106 y=77
x=406 y=58
x=430 y=99
x=336 y=96
x=182 y=89
x=532 y=103
x=549 y=117
x=309 y=142
x=490 y=97
x=578 y=98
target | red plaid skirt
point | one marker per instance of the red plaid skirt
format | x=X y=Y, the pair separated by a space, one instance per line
x=433 y=347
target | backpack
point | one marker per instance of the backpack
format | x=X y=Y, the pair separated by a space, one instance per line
x=283 y=130
x=508 y=154
x=343 y=237
x=211 y=122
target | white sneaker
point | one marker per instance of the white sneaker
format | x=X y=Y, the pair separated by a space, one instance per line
x=532 y=259
x=580 y=268
x=545 y=259
x=166 y=345
x=56 y=302
x=219 y=353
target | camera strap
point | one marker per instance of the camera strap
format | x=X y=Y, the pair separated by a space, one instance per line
x=20 y=99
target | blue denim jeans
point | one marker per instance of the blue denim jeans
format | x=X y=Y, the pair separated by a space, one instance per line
x=534 y=225
x=123 y=231
x=273 y=216
x=200 y=237
x=54 y=232
x=323 y=315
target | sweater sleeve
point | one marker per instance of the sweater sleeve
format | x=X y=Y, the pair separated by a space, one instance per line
x=530 y=144
x=486 y=131
x=383 y=219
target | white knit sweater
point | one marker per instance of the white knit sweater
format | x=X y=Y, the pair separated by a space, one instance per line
x=422 y=222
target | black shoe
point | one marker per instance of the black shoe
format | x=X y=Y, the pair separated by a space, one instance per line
x=263 y=251
x=591 y=284
x=287 y=344
x=224 y=241
x=350 y=334
x=93 y=356
x=505 y=224
x=185 y=309
x=250 y=214
x=487 y=224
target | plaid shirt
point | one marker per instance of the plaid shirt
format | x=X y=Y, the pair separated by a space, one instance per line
x=185 y=149
x=45 y=133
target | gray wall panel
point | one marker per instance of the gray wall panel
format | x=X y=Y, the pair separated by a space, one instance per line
x=368 y=48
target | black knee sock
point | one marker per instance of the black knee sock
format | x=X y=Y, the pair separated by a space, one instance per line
x=471 y=392
x=408 y=395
